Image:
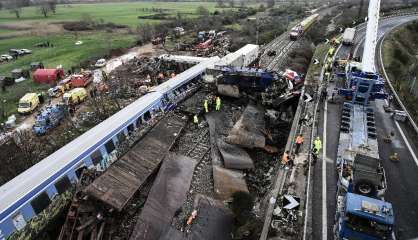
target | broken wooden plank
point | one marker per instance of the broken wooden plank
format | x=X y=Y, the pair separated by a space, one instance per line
x=122 y=179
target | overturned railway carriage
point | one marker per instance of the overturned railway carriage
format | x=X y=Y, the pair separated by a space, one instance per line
x=31 y=192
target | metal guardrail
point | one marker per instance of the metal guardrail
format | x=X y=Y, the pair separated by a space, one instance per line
x=399 y=101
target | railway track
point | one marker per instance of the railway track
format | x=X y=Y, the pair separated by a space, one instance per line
x=281 y=46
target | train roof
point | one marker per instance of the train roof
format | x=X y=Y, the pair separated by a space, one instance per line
x=181 y=58
x=231 y=57
x=56 y=164
x=185 y=76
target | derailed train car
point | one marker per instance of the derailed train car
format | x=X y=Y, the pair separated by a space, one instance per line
x=30 y=193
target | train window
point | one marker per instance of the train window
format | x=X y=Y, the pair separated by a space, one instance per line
x=40 y=202
x=121 y=136
x=79 y=171
x=110 y=146
x=96 y=157
x=63 y=184
x=131 y=128
x=139 y=122
x=147 y=116
x=18 y=221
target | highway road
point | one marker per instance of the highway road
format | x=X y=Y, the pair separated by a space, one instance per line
x=402 y=176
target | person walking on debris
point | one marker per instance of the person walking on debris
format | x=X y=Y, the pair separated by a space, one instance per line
x=317 y=145
x=206 y=106
x=299 y=142
x=218 y=103
x=285 y=158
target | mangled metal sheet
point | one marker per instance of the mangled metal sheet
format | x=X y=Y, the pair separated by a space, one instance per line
x=247 y=132
x=194 y=104
x=216 y=123
x=234 y=157
x=118 y=184
x=213 y=221
x=167 y=195
x=227 y=182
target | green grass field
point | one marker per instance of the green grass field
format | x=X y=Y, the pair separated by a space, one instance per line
x=120 y=13
x=65 y=52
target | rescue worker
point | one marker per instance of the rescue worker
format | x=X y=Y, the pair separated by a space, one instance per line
x=218 y=103
x=206 y=105
x=285 y=158
x=394 y=157
x=317 y=145
x=195 y=119
x=299 y=142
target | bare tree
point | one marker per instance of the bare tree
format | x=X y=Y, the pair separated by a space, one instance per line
x=44 y=8
x=53 y=6
x=15 y=7
x=30 y=147
x=270 y=3
x=231 y=3
x=220 y=3
x=202 y=11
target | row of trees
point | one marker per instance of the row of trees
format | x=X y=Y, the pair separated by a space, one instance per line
x=45 y=7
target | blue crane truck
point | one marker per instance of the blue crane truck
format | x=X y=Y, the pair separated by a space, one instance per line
x=362 y=212
x=48 y=118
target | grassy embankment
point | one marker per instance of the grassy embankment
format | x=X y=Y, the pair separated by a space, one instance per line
x=35 y=28
x=400 y=57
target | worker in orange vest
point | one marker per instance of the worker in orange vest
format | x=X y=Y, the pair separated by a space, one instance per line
x=299 y=142
x=285 y=158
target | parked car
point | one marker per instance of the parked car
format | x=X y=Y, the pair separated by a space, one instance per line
x=16 y=52
x=26 y=51
x=100 y=63
x=6 y=57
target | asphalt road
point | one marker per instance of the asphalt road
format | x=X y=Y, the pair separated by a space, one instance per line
x=402 y=176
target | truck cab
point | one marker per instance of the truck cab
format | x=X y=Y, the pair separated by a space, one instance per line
x=361 y=217
x=28 y=103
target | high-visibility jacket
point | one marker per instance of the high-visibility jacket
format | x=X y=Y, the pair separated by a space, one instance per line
x=206 y=106
x=318 y=144
x=195 y=119
x=218 y=103
x=299 y=139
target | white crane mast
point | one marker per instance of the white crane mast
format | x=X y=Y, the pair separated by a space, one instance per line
x=371 y=36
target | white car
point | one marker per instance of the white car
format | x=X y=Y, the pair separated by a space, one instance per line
x=100 y=63
x=6 y=57
x=25 y=51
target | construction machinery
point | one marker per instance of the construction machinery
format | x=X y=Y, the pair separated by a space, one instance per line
x=362 y=212
x=48 y=118
x=82 y=79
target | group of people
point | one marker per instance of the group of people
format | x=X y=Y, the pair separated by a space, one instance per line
x=317 y=146
x=206 y=107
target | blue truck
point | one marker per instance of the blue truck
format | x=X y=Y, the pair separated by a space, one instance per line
x=366 y=218
x=362 y=212
x=48 y=118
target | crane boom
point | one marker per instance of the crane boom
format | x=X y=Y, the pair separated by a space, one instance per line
x=371 y=36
